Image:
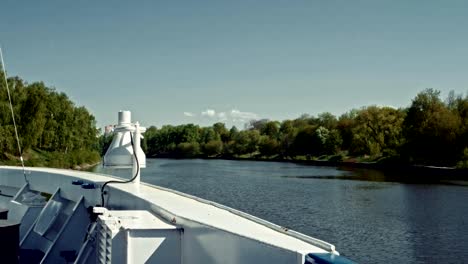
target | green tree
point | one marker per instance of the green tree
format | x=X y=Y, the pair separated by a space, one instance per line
x=346 y=124
x=271 y=129
x=304 y=141
x=327 y=120
x=213 y=148
x=333 y=143
x=49 y=123
x=377 y=130
x=268 y=146
x=246 y=142
x=431 y=130
x=32 y=114
x=208 y=134
x=221 y=130
x=287 y=136
x=188 y=149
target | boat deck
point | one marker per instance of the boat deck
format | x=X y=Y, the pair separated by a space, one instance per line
x=210 y=232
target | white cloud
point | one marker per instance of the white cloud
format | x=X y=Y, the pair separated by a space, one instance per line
x=189 y=114
x=209 y=113
x=233 y=115
x=222 y=116
x=239 y=116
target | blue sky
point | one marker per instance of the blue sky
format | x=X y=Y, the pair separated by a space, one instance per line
x=174 y=62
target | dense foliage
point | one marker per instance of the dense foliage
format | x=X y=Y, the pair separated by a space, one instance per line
x=52 y=130
x=430 y=131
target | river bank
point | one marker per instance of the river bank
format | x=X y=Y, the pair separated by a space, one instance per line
x=394 y=171
x=76 y=160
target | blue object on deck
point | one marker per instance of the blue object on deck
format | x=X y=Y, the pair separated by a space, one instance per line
x=326 y=258
x=88 y=186
x=77 y=182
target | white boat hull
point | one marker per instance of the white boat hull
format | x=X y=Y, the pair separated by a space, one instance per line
x=198 y=231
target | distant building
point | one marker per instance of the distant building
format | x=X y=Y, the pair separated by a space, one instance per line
x=109 y=129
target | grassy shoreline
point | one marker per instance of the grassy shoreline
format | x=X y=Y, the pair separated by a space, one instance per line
x=76 y=160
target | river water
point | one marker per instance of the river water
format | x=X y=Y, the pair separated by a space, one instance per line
x=369 y=220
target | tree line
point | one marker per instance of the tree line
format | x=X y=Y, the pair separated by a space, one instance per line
x=431 y=131
x=52 y=130
x=55 y=132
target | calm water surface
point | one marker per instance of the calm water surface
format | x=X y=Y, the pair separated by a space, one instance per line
x=368 y=221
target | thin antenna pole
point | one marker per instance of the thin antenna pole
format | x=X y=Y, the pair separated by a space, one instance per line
x=13 y=116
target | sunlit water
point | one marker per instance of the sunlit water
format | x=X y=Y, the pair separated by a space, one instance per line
x=368 y=221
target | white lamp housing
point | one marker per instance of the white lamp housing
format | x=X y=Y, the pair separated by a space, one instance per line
x=120 y=152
